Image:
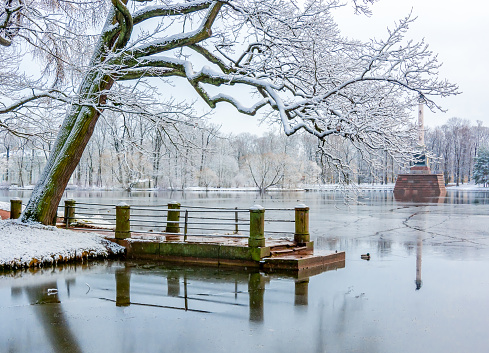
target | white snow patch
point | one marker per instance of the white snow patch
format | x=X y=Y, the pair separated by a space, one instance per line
x=96 y=221
x=467 y=187
x=25 y=245
x=5 y=206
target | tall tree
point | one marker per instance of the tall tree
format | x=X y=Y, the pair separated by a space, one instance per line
x=306 y=75
x=481 y=167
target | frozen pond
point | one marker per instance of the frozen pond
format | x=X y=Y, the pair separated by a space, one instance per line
x=425 y=288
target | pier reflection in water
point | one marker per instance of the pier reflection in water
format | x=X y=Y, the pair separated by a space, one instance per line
x=60 y=318
x=177 y=278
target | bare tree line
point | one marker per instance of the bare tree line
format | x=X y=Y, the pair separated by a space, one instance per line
x=456 y=144
x=127 y=152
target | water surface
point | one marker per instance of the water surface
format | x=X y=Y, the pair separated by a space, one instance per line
x=425 y=288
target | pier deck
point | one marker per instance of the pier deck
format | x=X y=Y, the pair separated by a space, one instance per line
x=278 y=254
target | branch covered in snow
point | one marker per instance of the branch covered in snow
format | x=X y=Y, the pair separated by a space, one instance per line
x=296 y=67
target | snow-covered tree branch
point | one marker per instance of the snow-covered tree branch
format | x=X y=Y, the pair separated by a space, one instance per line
x=296 y=67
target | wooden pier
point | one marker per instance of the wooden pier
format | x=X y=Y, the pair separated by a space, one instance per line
x=255 y=251
x=171 y=239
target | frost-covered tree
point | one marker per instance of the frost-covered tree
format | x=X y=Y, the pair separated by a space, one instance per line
x=267 y=169
x=481 y=168
x=293 y=63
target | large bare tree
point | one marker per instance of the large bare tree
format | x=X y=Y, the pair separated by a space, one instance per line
x=296 y=67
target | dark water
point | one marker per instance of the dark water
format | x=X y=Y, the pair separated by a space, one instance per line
x=425 y=289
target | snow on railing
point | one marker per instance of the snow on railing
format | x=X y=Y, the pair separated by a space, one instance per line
x=175 y=220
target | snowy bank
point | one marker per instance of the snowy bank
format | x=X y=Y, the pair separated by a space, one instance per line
x=30 y=245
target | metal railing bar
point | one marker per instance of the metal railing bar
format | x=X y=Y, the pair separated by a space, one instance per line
x=185 y=229
x=87 y=214
x=147 y=216
x=94 y=214
x=172 y=222
x=218 y=223
x=217 y=208
x=200 y=223
x=218 y=229
x=95 y=223
x=84 y=219
x=152 y=222
x=93 y=229
x=159 y=233
x=145 y=226
x=221 y=219
x=93 y=208
x=191 y=235
x=150 y=207
x=143 y=219
x=280 y=209
x=155 y=209
x=96 y=204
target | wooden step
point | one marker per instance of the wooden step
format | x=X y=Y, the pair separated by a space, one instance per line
x=291 y=250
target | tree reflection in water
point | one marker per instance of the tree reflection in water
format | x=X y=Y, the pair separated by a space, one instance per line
x=49 y=312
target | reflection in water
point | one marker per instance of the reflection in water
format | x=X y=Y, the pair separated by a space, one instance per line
x=256 y=292
x=15 y=292
x=419 y=249
x=301 y=291
x=123 y=286
x=69 y=283
x=420 y=198
x=49 y=311
x=185 y=291
x=384 y=245
x=173 y=280
x=365 y=308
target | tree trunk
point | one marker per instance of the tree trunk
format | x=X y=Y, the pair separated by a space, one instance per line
x=43 y=204
x=70 y=143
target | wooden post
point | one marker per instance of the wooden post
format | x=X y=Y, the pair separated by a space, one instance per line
x=172 y=220
x=15 y=208
x=257 y=227
x=301 y=235
x=69 y=213
x=122 y=221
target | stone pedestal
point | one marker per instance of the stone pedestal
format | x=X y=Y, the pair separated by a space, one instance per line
x=419 y=184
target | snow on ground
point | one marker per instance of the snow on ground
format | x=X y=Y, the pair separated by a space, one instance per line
x=467 y=187
x=27 y=245
x=5 y=206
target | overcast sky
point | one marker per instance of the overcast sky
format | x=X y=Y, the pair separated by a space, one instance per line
x=457 y=30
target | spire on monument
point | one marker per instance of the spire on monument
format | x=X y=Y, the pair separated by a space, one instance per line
x=421 y=162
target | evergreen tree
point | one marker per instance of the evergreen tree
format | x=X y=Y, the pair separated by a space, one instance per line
x=481 y=168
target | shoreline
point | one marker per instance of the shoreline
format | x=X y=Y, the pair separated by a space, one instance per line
x=35 y=245
x=308 y=188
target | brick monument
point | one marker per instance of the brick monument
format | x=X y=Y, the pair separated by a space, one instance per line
x=419 y=183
